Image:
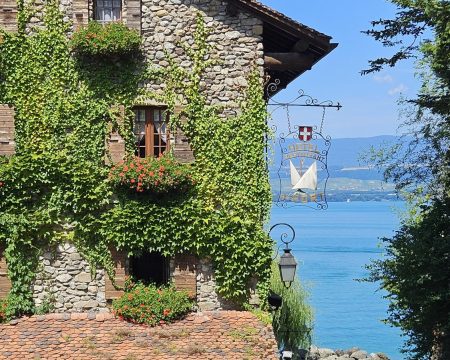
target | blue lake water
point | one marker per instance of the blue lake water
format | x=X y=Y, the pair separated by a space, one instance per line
x=332 y=247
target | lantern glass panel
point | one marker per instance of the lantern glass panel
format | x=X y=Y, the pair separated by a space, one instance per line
x=287 y=272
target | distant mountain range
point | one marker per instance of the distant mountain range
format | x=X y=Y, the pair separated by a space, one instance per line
x=349 y=178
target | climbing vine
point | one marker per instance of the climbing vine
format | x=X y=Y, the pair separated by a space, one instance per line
x=56 y=187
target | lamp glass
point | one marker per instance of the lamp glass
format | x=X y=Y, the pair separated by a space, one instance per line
x=287 y=266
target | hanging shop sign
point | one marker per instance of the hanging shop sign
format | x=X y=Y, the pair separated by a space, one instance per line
x=303 y=171
x=301 y=154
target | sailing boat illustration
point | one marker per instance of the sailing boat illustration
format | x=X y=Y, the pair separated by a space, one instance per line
x=306 y=181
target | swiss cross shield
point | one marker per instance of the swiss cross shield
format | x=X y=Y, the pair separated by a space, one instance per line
x=305 y=133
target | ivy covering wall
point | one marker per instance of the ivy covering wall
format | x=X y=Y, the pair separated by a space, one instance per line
x=56 y=188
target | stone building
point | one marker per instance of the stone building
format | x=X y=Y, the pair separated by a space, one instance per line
x=245 y=33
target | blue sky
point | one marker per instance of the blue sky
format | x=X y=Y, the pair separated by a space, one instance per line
x=370 y=102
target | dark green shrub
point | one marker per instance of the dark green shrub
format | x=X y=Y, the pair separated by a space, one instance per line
x=152 y=305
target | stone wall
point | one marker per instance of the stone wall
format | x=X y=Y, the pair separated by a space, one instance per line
x=164 y=24
x=315 y=353
x=65 y=281
x=207 y=297
x=237 y=39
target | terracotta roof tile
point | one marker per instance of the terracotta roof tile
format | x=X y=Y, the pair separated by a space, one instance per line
x=210 y=335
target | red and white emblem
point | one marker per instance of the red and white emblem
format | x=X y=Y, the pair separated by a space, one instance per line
x=305 y=133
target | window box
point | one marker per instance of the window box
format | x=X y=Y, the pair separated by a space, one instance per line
x=110 y=39
x=162 y=175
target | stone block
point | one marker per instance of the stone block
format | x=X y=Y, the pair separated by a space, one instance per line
x=64 y=278
x=360 y=354
x=83 y=277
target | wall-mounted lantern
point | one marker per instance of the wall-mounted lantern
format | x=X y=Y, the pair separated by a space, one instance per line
x=287 y=263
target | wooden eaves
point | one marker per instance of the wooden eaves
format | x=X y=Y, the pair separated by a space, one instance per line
x=290 y=48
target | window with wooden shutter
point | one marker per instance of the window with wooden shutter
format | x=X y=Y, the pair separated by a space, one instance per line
x=150 y=131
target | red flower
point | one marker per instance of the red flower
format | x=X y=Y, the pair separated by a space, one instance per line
x=125 y=168
x=131 y=166
x=166 y=312
x=132 y=181
x=151 y=173
x=1 y=184
x=121 y=174
x=162 y=168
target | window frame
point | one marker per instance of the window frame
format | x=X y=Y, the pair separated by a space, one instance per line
x=149 y=131
x=96 y=8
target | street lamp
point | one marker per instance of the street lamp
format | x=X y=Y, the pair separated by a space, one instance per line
x=287 y=266
x=287 y=263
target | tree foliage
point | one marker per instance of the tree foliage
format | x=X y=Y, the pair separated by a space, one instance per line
x=416 y=270
x=292 y=322
x=416 y=275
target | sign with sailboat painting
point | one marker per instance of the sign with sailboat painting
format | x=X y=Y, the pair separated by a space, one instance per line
x=303 y=172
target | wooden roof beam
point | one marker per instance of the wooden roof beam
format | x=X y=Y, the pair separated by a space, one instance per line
x=290 y=61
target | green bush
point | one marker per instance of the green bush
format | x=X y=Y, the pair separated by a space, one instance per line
x=151 y=175
x=110 y=39
x=292 y=322
x=152 y=305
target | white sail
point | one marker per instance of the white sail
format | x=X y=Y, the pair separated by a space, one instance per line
x=295 y=176
x=308 y=180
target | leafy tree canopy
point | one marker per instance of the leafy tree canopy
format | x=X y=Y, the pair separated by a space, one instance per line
x=416 y=270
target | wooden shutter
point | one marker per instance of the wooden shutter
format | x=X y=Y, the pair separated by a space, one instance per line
x=184 y=273
x=181 y=148
x=6 y=130
x=120 y=259
x=116 y=147
x=5 y=283
x=80 y=12
x=133 y=15
x=115 y=143
x=8 y=15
